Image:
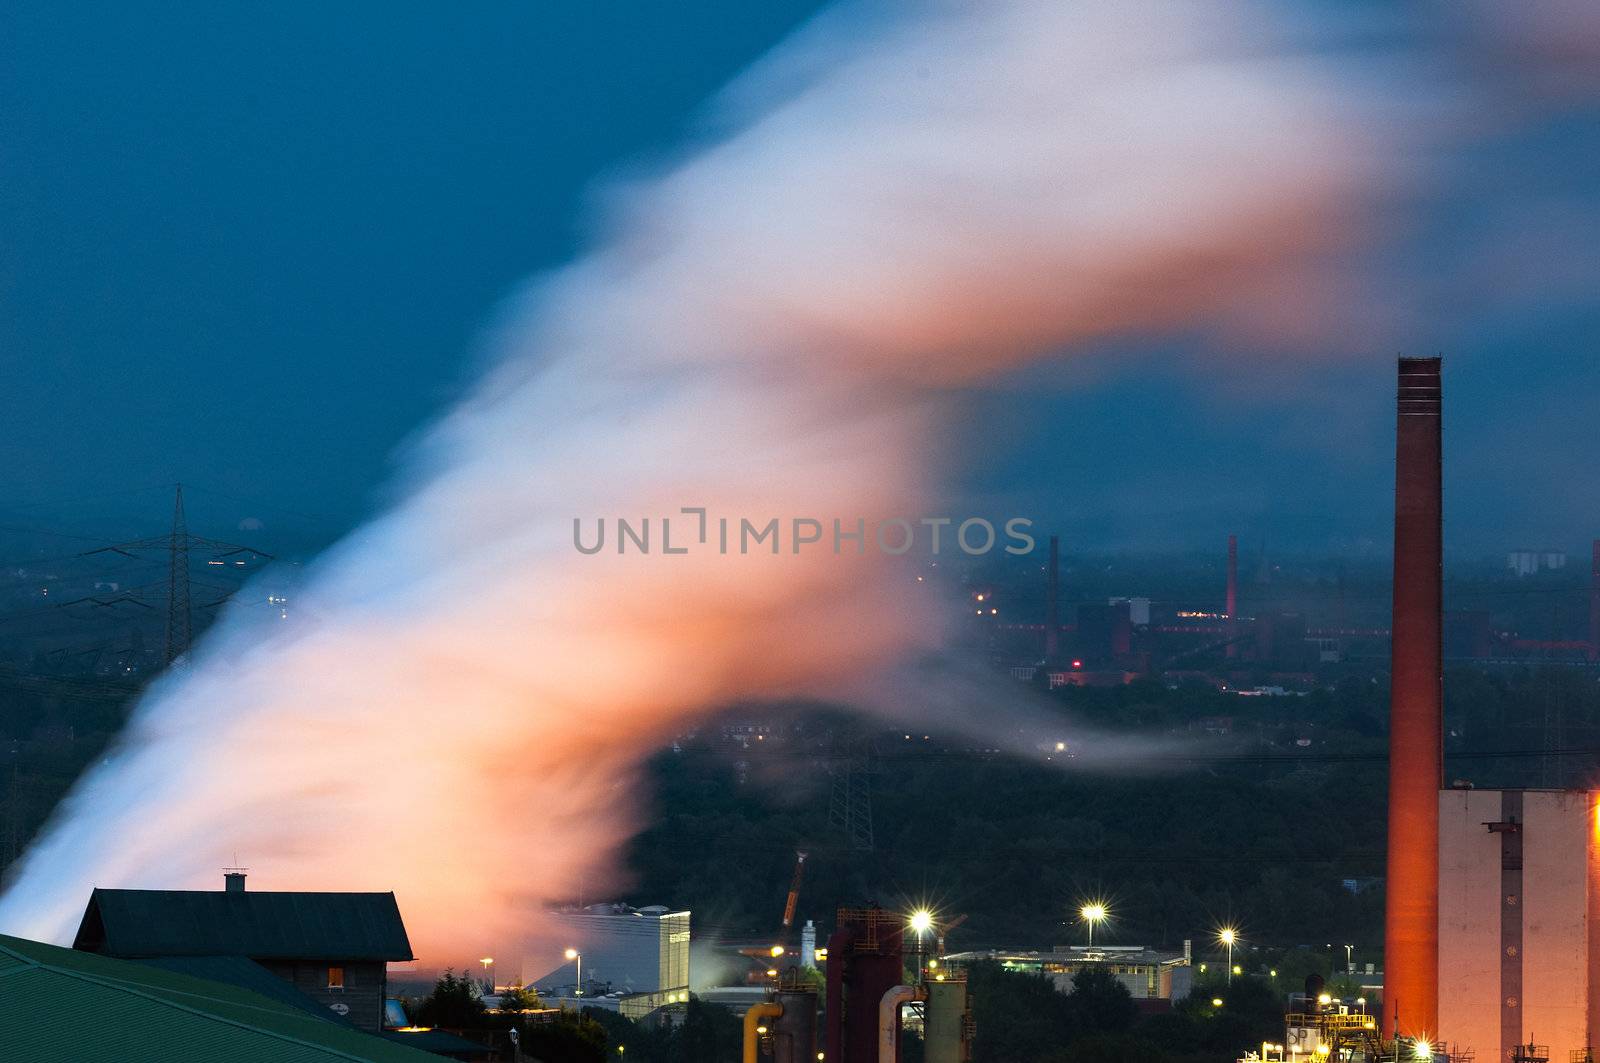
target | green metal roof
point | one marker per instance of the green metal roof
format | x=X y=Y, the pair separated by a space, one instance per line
x=59 y=1005
x=134 y=924
x=243 y=973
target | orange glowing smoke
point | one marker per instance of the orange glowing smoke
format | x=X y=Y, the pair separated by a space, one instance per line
x=906 y=203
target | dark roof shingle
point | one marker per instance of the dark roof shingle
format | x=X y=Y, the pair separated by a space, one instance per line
x=136 y=924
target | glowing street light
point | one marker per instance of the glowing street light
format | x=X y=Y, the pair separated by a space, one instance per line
x=1091 y=914
x=488 y=970
x=1228 y=935
x=921 y=922
x=574 y=955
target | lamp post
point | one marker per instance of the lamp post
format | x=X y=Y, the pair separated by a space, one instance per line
x=1227 y=935
x=1091 y=914
x=575 y=955
x=488 y=970
x=921 y=922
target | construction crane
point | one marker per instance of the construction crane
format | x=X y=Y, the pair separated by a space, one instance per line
x=769 y=954
x=951 y=925
x=794 y=891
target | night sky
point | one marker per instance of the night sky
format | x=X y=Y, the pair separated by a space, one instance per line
x=255 y=251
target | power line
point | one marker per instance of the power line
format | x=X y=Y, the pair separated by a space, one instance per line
x=176 y=546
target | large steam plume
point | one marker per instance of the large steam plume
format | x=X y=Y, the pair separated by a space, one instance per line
x=898 y=204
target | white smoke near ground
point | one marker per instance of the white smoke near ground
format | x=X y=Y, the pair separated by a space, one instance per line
x=900 y=202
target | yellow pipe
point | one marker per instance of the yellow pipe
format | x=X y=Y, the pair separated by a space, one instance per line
x=752 y=1020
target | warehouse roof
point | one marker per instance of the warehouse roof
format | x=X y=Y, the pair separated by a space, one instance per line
x=135 y=924
x=58 y=1004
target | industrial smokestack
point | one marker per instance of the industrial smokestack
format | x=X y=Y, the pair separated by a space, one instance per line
x=1232 y=607
x=1411 y=925
x=1594 y=605
x=1052 y=608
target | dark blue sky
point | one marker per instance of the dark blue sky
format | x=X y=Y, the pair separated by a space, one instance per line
x=253 y=250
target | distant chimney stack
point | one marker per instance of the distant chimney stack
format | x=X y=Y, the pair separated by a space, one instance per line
x=1232 y=606
x=233 y=880
x=1052 y=608
x=1594 y=606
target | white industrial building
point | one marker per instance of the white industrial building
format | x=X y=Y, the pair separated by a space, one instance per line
x=638 y=957
x=1147 y=973
x=1519 y=921
x=1532 y=562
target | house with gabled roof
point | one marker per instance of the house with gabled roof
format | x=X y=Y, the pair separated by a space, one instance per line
x=333 y=948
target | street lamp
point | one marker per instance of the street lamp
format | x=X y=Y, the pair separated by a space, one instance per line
x=1227 y=935
x=488 y=970
x=575 y=955
x=1091 y=914
x=921 y=922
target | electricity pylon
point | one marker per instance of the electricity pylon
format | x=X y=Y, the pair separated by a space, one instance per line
x=176 y=546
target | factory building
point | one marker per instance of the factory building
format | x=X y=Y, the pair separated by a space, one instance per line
x=636 y=957
x=1519 y=938
x=1147 y=973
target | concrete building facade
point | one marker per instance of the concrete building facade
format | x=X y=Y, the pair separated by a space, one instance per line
x=623 y=950
x=1147 y=973
x=1519 y=921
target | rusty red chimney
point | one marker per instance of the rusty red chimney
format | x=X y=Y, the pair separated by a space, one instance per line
x=1594 y=605
x=1233 y=594
x=1416 y=711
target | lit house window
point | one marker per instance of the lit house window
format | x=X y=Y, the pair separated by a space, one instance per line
x=335 y=977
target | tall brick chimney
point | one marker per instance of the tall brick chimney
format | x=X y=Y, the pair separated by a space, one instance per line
x=1416 y=712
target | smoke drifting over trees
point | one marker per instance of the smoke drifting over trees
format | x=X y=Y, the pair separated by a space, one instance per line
x=902 y=201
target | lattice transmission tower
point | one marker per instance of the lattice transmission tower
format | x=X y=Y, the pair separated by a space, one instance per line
x=850 y=803
x=176 y=546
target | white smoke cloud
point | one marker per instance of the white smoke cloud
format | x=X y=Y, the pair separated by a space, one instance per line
x=899 y=202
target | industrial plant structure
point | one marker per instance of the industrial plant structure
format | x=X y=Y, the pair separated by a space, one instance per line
x=868 y=985
x=1492 y=926
x=1519 y=938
